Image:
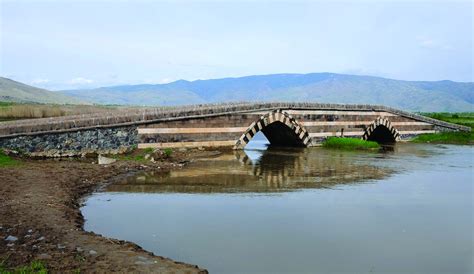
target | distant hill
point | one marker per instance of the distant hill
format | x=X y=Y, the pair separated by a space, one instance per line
x=313 y=87
x=12 y=91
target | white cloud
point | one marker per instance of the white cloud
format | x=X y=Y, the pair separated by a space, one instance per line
x=40 y=81
x=156 y=81
x=426 y=43
x=166 y=81
x=80 y=81
x=429 y=43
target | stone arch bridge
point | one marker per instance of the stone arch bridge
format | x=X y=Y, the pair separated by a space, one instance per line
x=229 y=125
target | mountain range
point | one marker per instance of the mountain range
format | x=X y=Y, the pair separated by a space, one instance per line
x=423 y=96
x=13 y=91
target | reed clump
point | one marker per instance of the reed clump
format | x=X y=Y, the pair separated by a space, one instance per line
x=350 y=144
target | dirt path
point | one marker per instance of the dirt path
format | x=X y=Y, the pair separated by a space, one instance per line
x=39 y=205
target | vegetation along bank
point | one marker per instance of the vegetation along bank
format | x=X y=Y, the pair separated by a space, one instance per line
x=350 y=144
x=459 y=138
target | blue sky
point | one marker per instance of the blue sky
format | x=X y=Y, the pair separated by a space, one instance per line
x=74 y=44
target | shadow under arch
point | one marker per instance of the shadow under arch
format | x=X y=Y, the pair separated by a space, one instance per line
x=279 y=128
x=381 y=131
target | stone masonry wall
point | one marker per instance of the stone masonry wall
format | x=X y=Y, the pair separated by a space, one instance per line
x=104 y=140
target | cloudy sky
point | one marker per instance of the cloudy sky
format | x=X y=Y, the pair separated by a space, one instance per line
x=73 y=44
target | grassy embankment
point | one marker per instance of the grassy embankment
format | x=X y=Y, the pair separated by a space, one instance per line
x=460 y=138
x=6 y=160
x=34 y=267
x=350 y=144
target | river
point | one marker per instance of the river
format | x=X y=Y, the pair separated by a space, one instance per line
x=408 y=209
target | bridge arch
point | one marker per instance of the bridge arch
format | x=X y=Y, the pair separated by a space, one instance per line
x=381 y=131
x=280 y=129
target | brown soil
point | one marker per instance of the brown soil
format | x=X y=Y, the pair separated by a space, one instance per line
x=40 y=205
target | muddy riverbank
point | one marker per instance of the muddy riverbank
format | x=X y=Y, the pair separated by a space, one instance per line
x=41 y=220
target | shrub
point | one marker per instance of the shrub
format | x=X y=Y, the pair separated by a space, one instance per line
x=148 y=150
x=168 y=152
x=34 y=267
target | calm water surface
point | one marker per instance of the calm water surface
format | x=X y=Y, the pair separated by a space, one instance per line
x=409 y=210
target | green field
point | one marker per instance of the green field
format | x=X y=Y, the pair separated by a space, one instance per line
x=6 y=104
x=350 y=144
x=462 y=118
x=459 y=138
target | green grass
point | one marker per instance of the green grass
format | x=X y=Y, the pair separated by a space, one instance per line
x=350 y=144
x=34 y=267
x=138 y=155
x=458 y=138
x=148 y=150
x=168 y=152
x=136 y=158
x=6 y=160
x=462 y=118
x=6 y=104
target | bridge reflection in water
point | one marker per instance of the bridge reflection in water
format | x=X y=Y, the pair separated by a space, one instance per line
x=271 y=170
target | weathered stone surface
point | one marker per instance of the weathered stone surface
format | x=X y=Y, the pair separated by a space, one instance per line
x=11 y=238
x=44 y=256
x=105 y=161
x=80 y=143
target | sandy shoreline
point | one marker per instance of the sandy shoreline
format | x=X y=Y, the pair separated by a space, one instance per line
x=40 y=208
